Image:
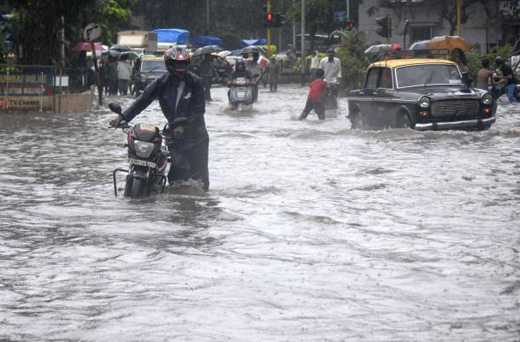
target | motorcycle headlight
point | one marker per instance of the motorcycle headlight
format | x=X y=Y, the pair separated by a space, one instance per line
x=143 y=78
x=487 y=99
x=424 y=102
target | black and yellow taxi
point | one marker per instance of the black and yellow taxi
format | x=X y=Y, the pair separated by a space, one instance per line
x=419 y=93
x=146 y=69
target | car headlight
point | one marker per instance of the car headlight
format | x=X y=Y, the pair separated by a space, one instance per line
x=424 y=102
x=487 y=99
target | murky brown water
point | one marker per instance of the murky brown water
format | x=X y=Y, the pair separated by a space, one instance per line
x=310 y=232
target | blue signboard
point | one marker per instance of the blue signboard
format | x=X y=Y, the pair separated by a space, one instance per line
x=340 y=16
x=20 y=84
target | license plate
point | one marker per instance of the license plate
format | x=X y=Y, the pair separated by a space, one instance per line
x=241 y=94
x=141 y=162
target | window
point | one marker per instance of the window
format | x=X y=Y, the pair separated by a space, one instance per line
x=418 y=33
x=386 y=78
x=429 y=74
x=371 y=82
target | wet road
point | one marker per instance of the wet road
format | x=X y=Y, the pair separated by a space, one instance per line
x=310 y=232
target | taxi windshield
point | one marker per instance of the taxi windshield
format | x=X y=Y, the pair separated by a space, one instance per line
x=428 y=74
x=153 y=66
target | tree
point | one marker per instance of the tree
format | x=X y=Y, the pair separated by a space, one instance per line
x=229 y=19
x=354 y=60
x=37 y=25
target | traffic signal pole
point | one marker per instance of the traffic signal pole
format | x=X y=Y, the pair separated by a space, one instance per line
x=269 y=30
x=389 y=23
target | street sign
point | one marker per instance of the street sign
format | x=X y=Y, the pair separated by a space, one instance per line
x=340 y=16
x=92 y=32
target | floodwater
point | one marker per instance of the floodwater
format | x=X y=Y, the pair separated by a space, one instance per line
x=310 y=232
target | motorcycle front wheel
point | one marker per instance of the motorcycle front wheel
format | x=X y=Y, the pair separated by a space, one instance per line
x=138 y=188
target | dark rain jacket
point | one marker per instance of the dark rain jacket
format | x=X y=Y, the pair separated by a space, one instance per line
x=192 y=104
x=241 y=73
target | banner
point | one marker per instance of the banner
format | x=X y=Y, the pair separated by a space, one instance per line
x=25 y=84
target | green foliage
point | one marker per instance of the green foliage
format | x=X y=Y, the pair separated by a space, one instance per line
x=37 y=25
x=354 y=61
x=474 y=60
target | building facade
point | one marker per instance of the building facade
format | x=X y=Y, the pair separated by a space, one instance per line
x=417 y=20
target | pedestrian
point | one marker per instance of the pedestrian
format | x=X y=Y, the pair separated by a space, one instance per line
x=181 y=94
x=124 y=73
x=205 y=71
x=331 y=65
x=458 y=56
x=484 y=75
x=256 y=71
x=272 y=72
x=507 y=82
x=315 y=97
x=315 y=63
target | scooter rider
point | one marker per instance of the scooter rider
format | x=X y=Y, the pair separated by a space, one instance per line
x=241 y=71
x=180 y=94
x=331 y=65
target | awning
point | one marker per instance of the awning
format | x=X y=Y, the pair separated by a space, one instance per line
x=256 y=41
x=177 y=36
x=205 y=40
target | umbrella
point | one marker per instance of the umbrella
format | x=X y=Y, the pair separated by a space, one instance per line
x=111 y=53
x=85 y=46
x=252 y=48
x=224 y=53
x=420 y=45
x=207 y=50
x=128 y=55
x=378 y=48
x=449 y=43
x=120 y=48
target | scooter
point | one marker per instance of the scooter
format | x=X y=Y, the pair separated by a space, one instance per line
x=147 y=156
x=240 y=93
x=331 y=99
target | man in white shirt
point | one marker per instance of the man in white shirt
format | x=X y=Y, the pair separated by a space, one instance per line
x=331 y=65
x=124 y=73
x=315 y=64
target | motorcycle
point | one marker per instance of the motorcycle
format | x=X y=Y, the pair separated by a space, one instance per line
x=240 y=93
x=148 y=156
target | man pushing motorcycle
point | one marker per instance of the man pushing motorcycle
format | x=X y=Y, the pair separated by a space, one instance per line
x=180 y=94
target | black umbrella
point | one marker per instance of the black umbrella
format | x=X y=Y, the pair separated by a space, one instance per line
x=120 y=48
x=128 y=55
x=252 y=48
x=111 y=53
x=207 y=50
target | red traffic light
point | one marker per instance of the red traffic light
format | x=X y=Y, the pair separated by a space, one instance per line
x=269 y=17
x=351 y=24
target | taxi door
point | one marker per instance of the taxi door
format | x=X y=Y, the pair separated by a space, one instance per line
x=383 y=98
x=365 y=99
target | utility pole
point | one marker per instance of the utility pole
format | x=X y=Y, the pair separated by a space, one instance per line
x=207 y=17
x=269 y=30
x=348 y=10
x=294 y=31
x=459 y=29
x=303 y=42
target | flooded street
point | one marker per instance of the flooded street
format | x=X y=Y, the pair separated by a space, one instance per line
x=310 y=232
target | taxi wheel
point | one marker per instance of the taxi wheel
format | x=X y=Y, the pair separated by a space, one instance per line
x=357 y=121
x=403 y=121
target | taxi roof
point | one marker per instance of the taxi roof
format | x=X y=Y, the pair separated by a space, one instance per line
x=394 y=63
x=152 y=58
